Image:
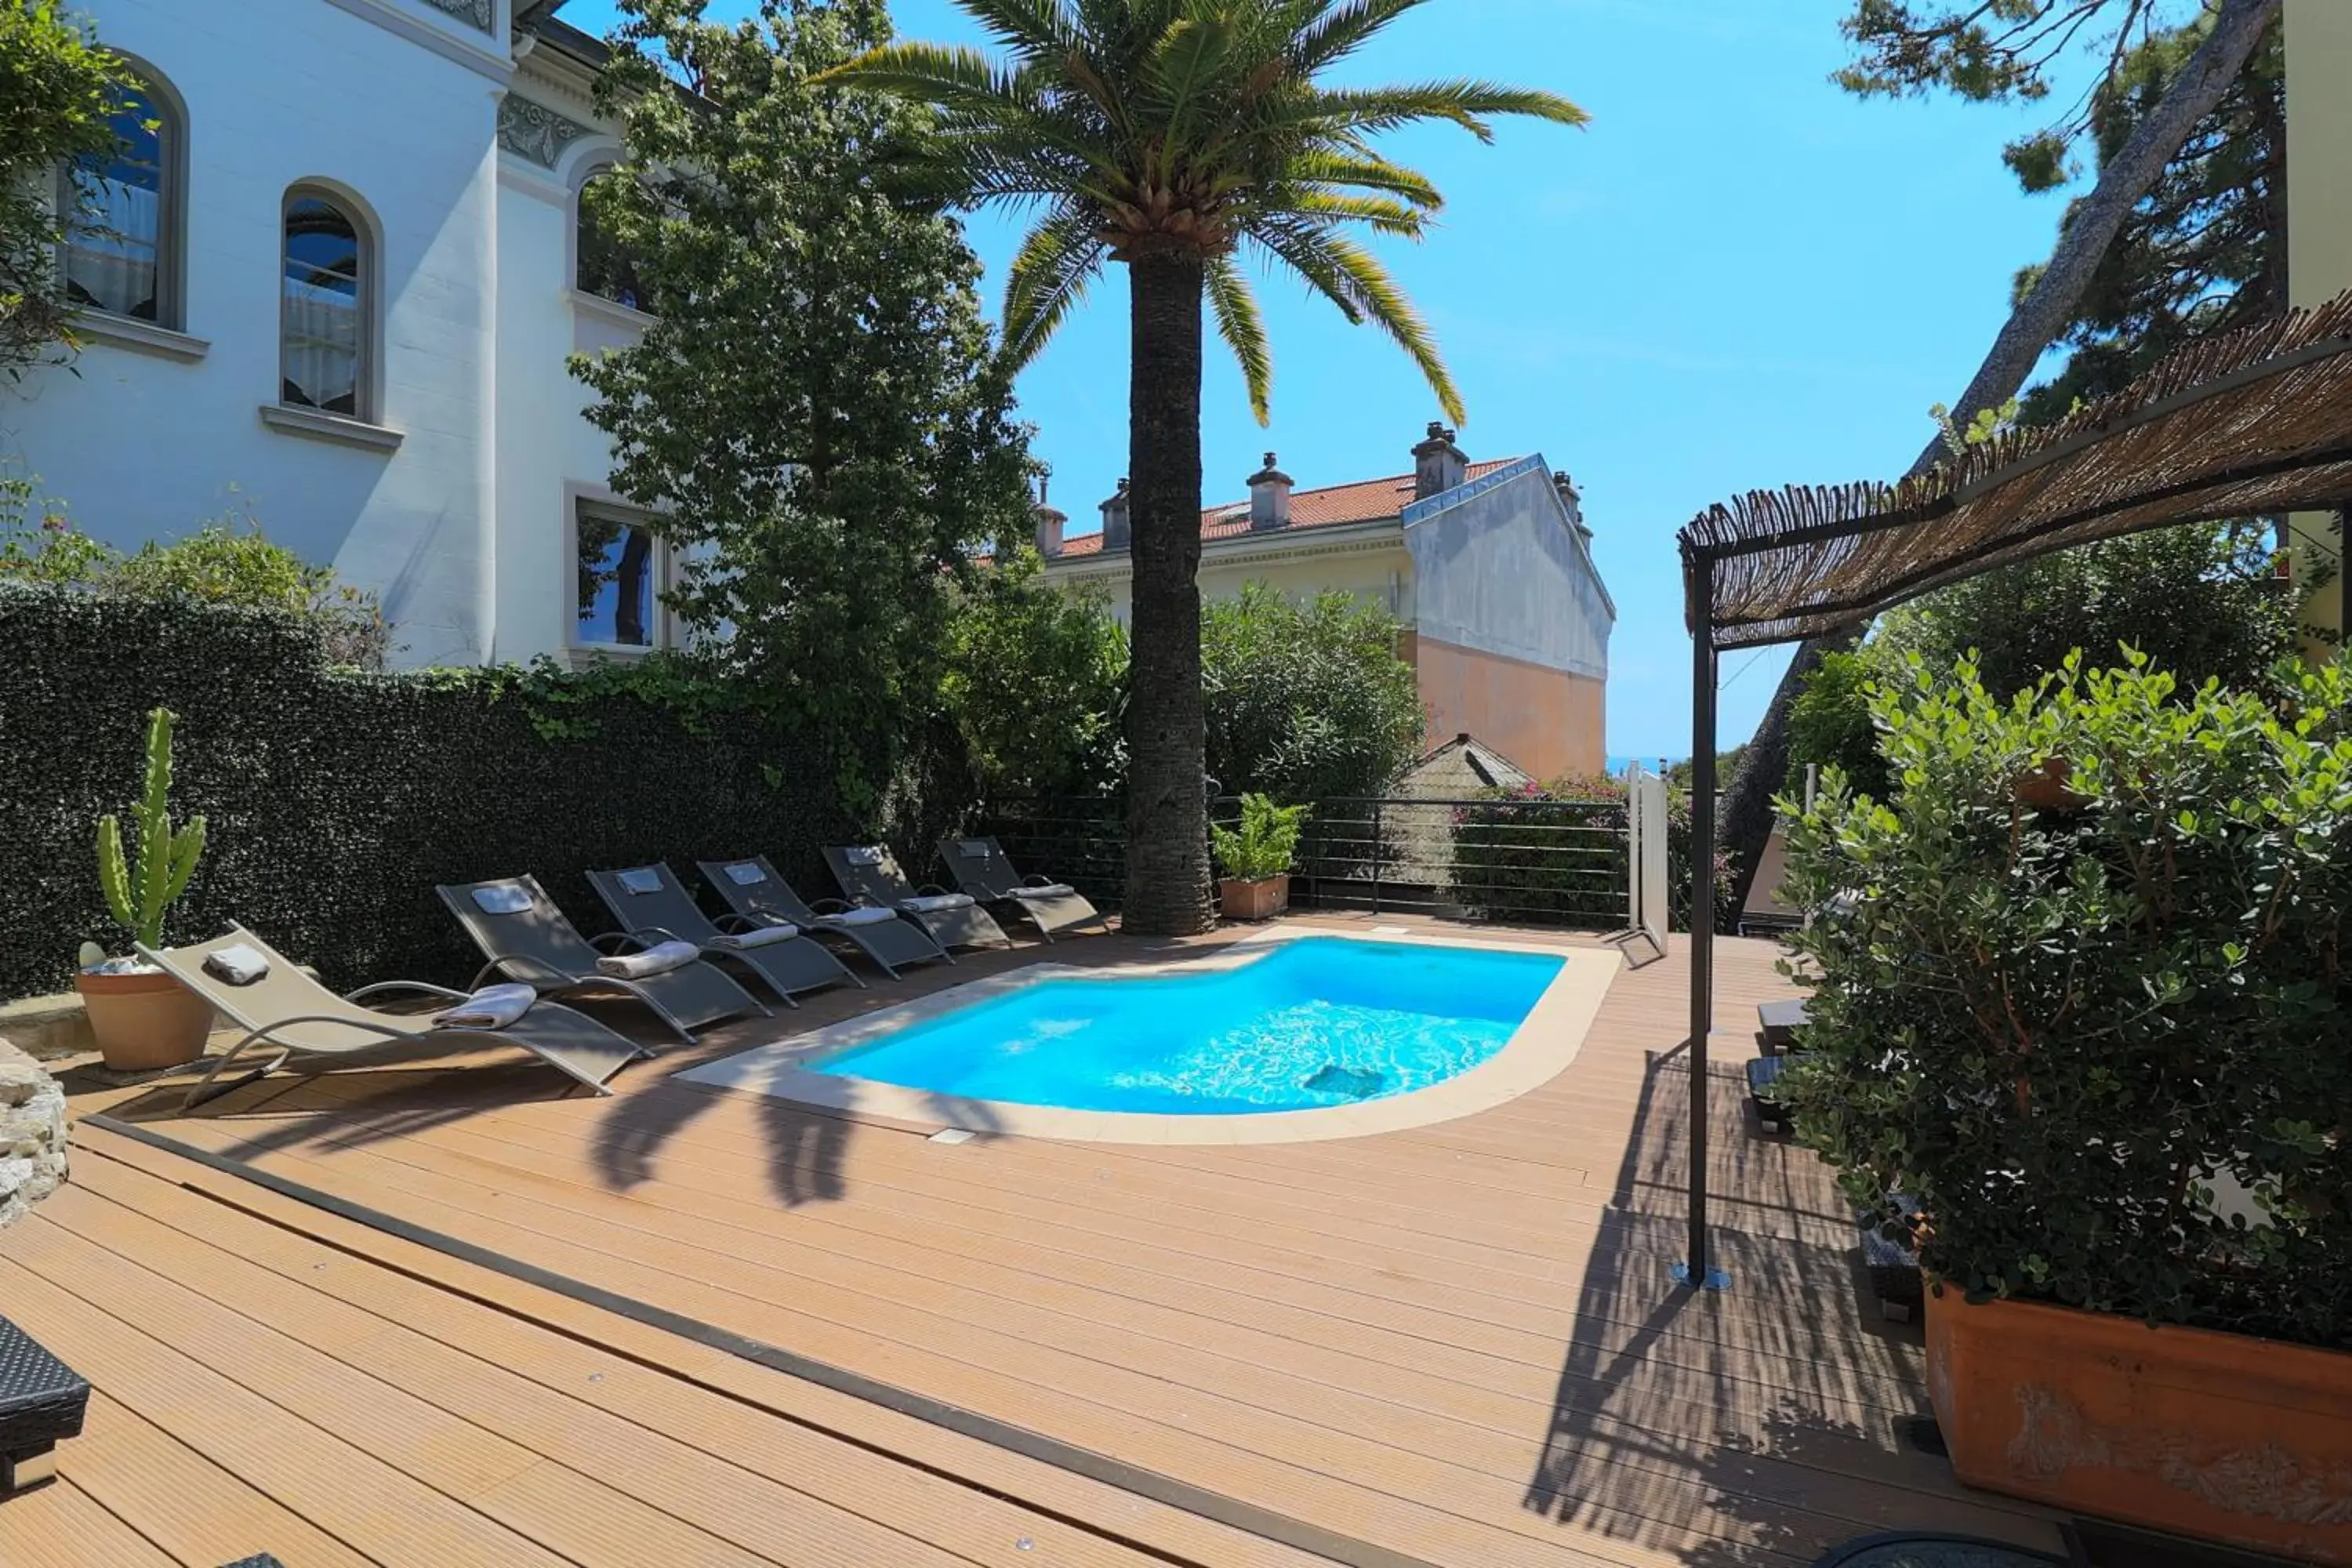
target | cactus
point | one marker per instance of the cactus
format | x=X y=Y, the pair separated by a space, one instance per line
x=166 y=856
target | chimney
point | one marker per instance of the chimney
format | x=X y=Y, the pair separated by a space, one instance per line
x=1050 y=521
x=1438 y=464
x=1571 y=500
x=1115 y=522
x=1269 y=497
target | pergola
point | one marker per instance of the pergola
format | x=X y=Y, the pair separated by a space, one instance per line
x=2255 y=423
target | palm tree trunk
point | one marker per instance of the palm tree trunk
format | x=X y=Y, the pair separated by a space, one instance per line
x=2091 y=228
x=1168 y=891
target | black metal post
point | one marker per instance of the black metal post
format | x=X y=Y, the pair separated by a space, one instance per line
x=1697 y=1269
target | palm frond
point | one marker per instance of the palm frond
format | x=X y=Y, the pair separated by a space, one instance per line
x=1182 y=64
x=1243 y=329
x=954 y=77
x=1352 y=278
x=1367 y=171
x=1060 y=259
x=1341 y=32
x=1034 y=28
x=1465 y=102
x=1382 y=215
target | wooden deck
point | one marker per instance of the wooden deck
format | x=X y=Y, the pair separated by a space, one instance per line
x=1454 y=1346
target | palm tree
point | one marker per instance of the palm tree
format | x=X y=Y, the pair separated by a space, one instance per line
x=1171 y=136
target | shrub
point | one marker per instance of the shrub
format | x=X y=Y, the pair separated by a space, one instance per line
x=1036 y=683
x=2103 y=1046
x=1560 y=854
x=1830 y=723
x=1305 y=700
x=1266 y=842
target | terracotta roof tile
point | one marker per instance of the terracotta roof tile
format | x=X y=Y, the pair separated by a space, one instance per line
x=1366 y=500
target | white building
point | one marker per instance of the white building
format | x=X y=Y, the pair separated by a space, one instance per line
x=340 y=285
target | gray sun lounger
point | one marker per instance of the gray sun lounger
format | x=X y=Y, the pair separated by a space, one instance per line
x=753 y=891
x=650 y=902
x=982 y=868
x=287 y=1011
x=525 y=937
x=869 y=874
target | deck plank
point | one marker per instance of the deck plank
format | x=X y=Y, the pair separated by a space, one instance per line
x=1457 y=1342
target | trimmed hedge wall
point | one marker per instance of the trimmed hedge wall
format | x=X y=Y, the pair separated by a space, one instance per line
x=337 y=800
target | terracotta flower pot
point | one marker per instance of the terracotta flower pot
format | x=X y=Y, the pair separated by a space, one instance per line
x=1259 y=900
x=2046 y=787
x=2225 y=1437
x=143 y=1022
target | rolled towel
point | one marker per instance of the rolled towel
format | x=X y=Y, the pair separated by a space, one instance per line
x=491 y=1007
x=860 y=916
x=659 y=959
x=238 y=965
x=937 y=903
x=1043 y=890
x=765 y=936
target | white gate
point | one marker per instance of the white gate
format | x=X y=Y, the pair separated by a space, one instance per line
x=1645 y=815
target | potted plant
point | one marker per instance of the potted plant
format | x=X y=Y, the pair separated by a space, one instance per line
x=1257 y=857
x=142 y=1017
x=2106 y=1051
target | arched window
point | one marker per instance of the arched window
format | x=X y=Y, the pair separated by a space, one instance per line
x=123 y=213
x=599 y=264
x=326 y=336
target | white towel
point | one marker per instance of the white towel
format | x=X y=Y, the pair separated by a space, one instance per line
x=860 y=917
x=864 y=855
x=491 y=1007
x=1045 y=890
x=937 y=903
x=659 y=959
x=766 y=936
x=238 y=965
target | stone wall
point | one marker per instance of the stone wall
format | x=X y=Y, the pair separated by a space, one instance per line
x=32 y=1133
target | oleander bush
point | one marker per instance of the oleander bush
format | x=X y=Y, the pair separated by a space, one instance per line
x=2100 y=1032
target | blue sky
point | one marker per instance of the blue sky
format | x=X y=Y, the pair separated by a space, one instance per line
x=1736 y=277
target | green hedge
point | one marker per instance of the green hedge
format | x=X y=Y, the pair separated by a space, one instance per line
x=1526 y=855
x=337 y=799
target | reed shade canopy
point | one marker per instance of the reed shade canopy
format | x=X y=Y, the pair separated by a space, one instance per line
x=2252 y=423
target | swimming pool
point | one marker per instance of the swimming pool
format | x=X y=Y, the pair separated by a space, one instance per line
x=1315 y=1023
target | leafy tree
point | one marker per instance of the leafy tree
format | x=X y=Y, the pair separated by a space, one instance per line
x=57 y=91
x=1305 y=700
x=2001 y=50
x=1171 y=136
x=2205 y=250
x=1036 y=680
x=816 y=410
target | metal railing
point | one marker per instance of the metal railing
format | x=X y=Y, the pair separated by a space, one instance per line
x=1524 y=862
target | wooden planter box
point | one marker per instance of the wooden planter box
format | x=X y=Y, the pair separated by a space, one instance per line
x=1259 y=900
x=2225 y=1437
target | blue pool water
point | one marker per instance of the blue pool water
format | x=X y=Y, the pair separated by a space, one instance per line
x=1319 y=1021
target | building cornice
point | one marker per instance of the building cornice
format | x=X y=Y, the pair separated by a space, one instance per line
x=536 y=133
x=480 y=57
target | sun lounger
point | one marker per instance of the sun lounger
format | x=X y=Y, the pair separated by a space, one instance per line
x=869 y=874
x=525 y=937
x=650 y=902
x=287 y=1011
x=754 y=891
x=982 y=868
